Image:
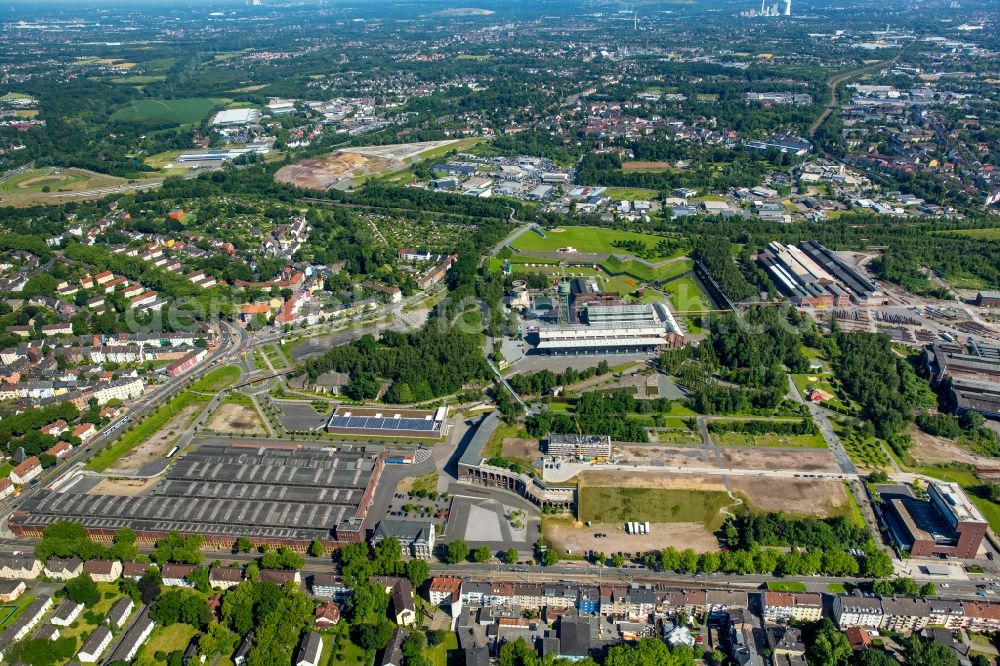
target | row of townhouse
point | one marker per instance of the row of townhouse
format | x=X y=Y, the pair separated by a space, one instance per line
x=908 y=614
x=637 y=602
x=125 y=389
x=123 y=353
x=621 y=602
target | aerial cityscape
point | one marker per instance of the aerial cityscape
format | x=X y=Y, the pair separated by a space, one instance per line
x=593 y=333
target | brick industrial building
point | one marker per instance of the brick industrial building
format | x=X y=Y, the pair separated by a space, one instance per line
x=280 y=495
x=946 y=523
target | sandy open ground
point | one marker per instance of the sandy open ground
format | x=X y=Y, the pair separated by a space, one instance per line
x=806 y=460
x=236 y=419
x=662 y=535
x=813 y=497
x=527 y=449
x=122 y=487
x=157 y=446
x=651 y=480
x=931 y=450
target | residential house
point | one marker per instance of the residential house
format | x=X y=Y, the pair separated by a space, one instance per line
x=103 y=571
x=400 y=591
x=66 y=613
x=310 y=650
x=94 y=646
x=134 y=570
x=327 y=615
x=444 y=590
x=63 y=569
x=905 y=614
x=28 y=620
x=19 y=566
x=6 y=488
x=327 y=585
x=392 y=654
x=84 y=431
x=119 y=612
x=60 y=450
x=175 y=575
x=857 y=611
x=134 y=639
x=10 y=590
x=27 y=471
x=858 y=637
x=224 y=578
x=280 y=576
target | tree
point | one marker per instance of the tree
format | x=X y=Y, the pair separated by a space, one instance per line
x=928 y=590
x=149 y=586
x=831 y=647
x=200 y=579
x=417 y=571
x=373 y=636
x=875 y=657
x=83 y=590
x=217 y=640
x=916 y=651
x=549 y=558
x=456 y=552
x=124 y=547
x=482 y=554
x=877 y=565
x=316 y=549
x=617 y=561
x=237 y=608
x=510 y=556
x=649 y=652
x=242 y=545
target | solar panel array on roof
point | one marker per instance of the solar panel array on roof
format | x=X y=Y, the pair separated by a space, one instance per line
x=376 y=423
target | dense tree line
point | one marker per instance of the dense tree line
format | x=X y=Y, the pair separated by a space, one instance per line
x=543 y=381
x=717 y=258
x=884 y=384
x=599 y=414
x=423 y=364
x=277 y=615
x=776 y=529
x=804 y=426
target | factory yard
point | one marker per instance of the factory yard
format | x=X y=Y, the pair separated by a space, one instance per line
x=806 y=497
x=577 y=540
x=157 y=445
x=233 y=417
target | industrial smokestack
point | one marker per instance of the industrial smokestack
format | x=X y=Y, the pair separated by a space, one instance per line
x=788 y=7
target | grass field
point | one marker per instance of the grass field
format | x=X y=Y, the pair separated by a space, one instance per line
x=438 y=655
x=12 y=611
x=185 y=111
x=34 y=180
x=139 y=79
x=217 y=379
x=785 y=586
x=837 y=588
x=345 y=652
x=584 y=239
x=143 y=431
x=629 y=193
x=642 y=271
x=165 y=639
x=983 y=234
x=276 y=357
x=657 y=505
x=819 y=381
x=686 y=295
x=743 y=439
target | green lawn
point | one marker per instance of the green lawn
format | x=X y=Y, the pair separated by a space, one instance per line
x=93 y=617
x=165 y=639
x=837 y=588
x=184 y=111
x=144 y=430
x=438 y=655
x=785 y=586
x=743 y=439
x=276 y=357
x=630 y=193
x=5 y=469
x=679 y=437
x=820 y=381
x=344 y=652
x=12 y=611
x=218 y=379
x=686 y=295
x=584 y=239
x=258 y=360
x=657 y=505
x=139 y=78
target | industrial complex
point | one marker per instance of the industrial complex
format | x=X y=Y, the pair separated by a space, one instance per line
x=278 y=494
x=811 y=275
x=969 y=375
x=946 y=523
x=387 y=422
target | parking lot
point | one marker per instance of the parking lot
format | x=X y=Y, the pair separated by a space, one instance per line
x=299 y=415
x=487 y=521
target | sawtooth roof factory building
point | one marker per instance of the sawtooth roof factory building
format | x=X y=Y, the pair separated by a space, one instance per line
x=280 y=495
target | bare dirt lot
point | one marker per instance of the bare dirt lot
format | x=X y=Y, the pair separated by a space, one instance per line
x=320 y=173
x=806 y=460
x=931 y=450
x=668 y=456
x=813 y=497
x=525 y=449
x=157 y=445
x=122 y=487
x=236 y=419
x=651 y=480
x=645 y=166
x=579 y=540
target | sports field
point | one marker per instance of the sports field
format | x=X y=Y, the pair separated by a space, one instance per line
x=584 y=239
x=686 y=295
x=184 y=111
x=602 y=504
x=44 y=185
